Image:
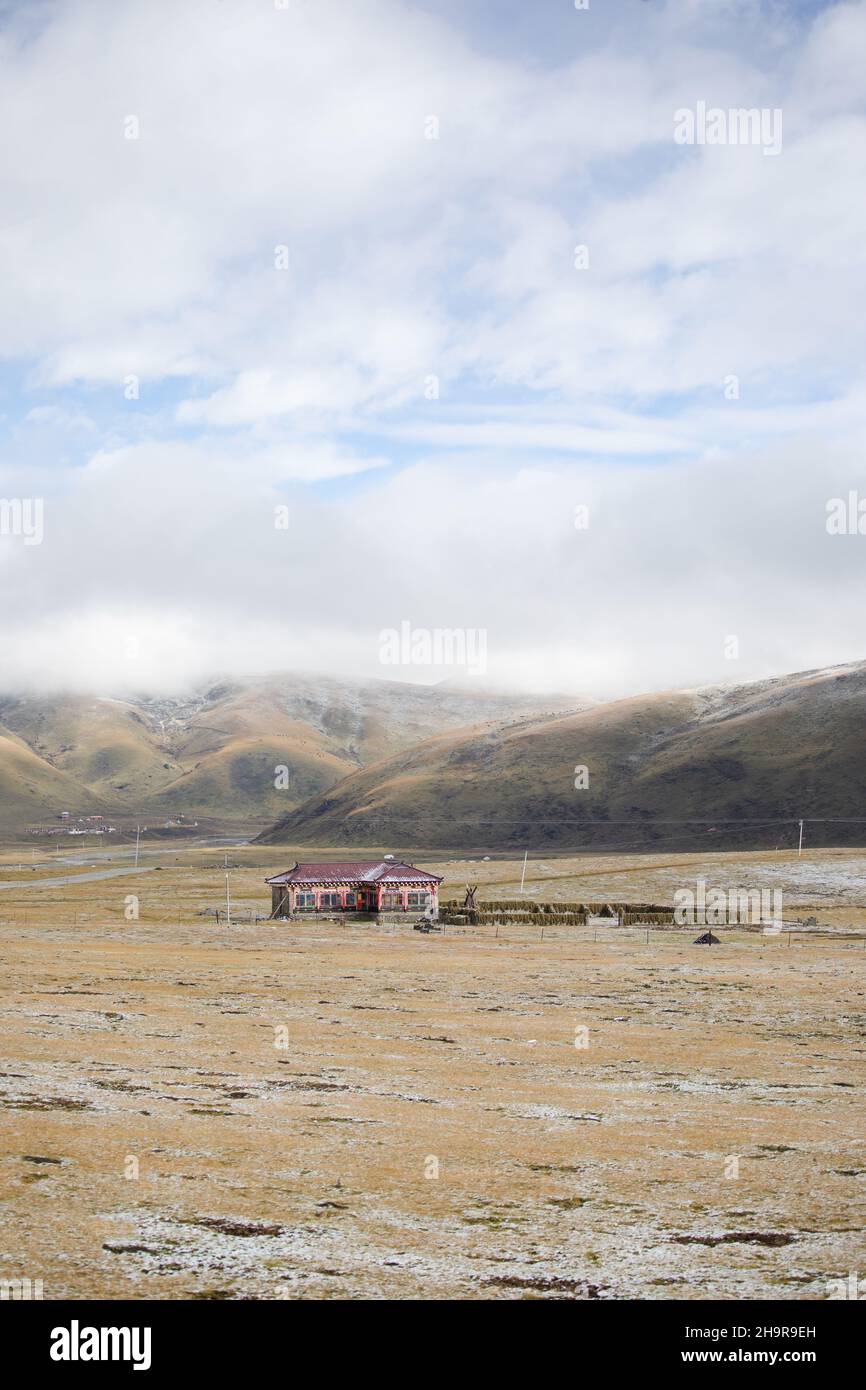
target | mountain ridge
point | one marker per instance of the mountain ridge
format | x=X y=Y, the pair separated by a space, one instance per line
x=726 y=765
x=215 y=753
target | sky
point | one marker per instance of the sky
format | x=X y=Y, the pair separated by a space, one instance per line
x=322 y=321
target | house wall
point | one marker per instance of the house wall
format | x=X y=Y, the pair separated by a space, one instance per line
x=402 y=891
x=285 y=898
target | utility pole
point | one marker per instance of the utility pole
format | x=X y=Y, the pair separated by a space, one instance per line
x=800 y=850
x=228 y=903
x=523 y=875
x=137 y=839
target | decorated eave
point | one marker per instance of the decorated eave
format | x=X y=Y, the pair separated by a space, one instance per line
x=403 y=881
x=353 y=874
x=364 y=882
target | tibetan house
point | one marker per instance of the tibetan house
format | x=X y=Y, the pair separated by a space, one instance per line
x=379 y=888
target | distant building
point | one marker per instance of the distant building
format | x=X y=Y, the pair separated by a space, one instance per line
x=378 y=888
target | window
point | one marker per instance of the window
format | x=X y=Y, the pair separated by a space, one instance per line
x=329 y=900
x=392 y=900
x=305 y=902
x=419 y=899
x=351 y=898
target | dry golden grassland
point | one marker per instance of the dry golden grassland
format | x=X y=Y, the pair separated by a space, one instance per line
x=328 y=1111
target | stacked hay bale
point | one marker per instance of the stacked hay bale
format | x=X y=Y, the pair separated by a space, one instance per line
x=506 y=912
x=514 y=911
x=648 y=917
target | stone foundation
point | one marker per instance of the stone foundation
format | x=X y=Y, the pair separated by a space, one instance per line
x=382 y=919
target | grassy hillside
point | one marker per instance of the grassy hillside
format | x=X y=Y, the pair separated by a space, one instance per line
x=214 y=754
x=31 y=789
x=710 y=768
x=108 y=746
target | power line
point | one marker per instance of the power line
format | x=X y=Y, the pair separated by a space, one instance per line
x=649 y=823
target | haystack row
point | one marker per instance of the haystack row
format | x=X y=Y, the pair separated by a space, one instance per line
x=507 y=911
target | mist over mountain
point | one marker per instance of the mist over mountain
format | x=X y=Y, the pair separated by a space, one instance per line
x=716 y=767
x=236 y=753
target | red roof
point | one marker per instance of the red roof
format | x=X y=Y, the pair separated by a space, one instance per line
x=354 y=871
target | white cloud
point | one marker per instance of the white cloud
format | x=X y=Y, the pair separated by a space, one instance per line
x=305 y=127
x=675 y=559
x=411 y=258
